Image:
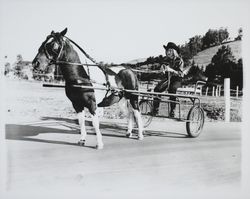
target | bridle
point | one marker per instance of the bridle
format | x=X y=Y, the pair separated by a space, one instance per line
x=53 y=59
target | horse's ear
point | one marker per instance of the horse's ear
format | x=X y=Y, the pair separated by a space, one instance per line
x=52 y=32
x=64 y=32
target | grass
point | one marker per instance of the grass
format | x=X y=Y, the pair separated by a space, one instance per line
x=204 y=57
x=214 y=108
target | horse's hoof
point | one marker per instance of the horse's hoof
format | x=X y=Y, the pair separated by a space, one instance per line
x=81 y=142
x=100 y=146
x=129 y=135
x=140 y=137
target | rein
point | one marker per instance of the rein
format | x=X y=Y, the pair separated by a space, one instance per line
x=104 y=68
x=99 y=64
x=80 y=48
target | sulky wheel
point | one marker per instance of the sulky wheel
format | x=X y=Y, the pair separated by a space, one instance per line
x=146 y=108
x=195 y=121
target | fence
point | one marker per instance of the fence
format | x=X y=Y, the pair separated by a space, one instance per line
x=221 y=92
x=217 y=91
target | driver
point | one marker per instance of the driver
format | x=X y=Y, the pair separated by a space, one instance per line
x=173 y=69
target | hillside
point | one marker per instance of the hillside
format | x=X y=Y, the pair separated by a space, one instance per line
x=204 y=57
x=135 y=61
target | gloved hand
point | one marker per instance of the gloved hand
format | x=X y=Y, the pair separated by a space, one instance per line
x=180 y=74
x=166 y=68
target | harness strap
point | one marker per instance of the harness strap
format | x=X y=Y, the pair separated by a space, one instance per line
x=109 y=89
x=111 y=72
x=104 y=69
x=80 y=48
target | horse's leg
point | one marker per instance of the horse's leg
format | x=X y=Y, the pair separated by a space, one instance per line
x=138 y=118
x=125 y=109
x=81 y=119
x=135 y=108
x=95 y=121
x=130 y=118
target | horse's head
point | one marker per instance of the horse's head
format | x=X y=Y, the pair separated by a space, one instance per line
x=50 y=51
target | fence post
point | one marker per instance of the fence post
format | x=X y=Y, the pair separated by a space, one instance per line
x=219 y=90
x=213 y=91
x=227 y=99
x=206 y=91
x=237 y=91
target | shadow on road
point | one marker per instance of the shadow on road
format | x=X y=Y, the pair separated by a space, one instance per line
x=118 y=125
x=16 y=131
x=165 y=134
x=29 y=132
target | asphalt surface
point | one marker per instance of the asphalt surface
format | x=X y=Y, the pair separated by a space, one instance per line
x=42 y=159
x=44 y=156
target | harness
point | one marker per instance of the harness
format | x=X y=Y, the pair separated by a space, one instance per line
x=57 y=61
x=107 y=71
x=47 y=54
x=105 y=68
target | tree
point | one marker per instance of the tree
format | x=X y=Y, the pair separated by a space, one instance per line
x=18 y=66
x=7 y=68
x=223 y=35
x=224 y=61
x=224 y=65
x=209 y=39
x=19 y=58
x=21 y=67
x=211 y=72
x=239 y=65
x=194 y=69
x=240 y=34
x=214 y=37
x=195 y=44
x=237 y=74
x=185 y=53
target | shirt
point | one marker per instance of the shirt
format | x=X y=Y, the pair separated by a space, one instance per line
x=177 y=64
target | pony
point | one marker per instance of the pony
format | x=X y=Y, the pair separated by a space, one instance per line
x=57 y=49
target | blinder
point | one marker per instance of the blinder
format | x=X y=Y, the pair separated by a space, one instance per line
x=50 y=52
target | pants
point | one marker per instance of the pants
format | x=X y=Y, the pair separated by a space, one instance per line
x=175 y=83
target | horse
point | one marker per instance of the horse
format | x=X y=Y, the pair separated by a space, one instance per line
x=57 y=49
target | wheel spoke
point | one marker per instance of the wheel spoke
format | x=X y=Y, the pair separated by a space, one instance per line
x=146 y=108
x=195 y=121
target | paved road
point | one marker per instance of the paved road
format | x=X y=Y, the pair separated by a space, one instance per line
x=43 y=156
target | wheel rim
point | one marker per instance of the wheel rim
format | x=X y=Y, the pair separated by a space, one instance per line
x=146 y=109
x=195 y=121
